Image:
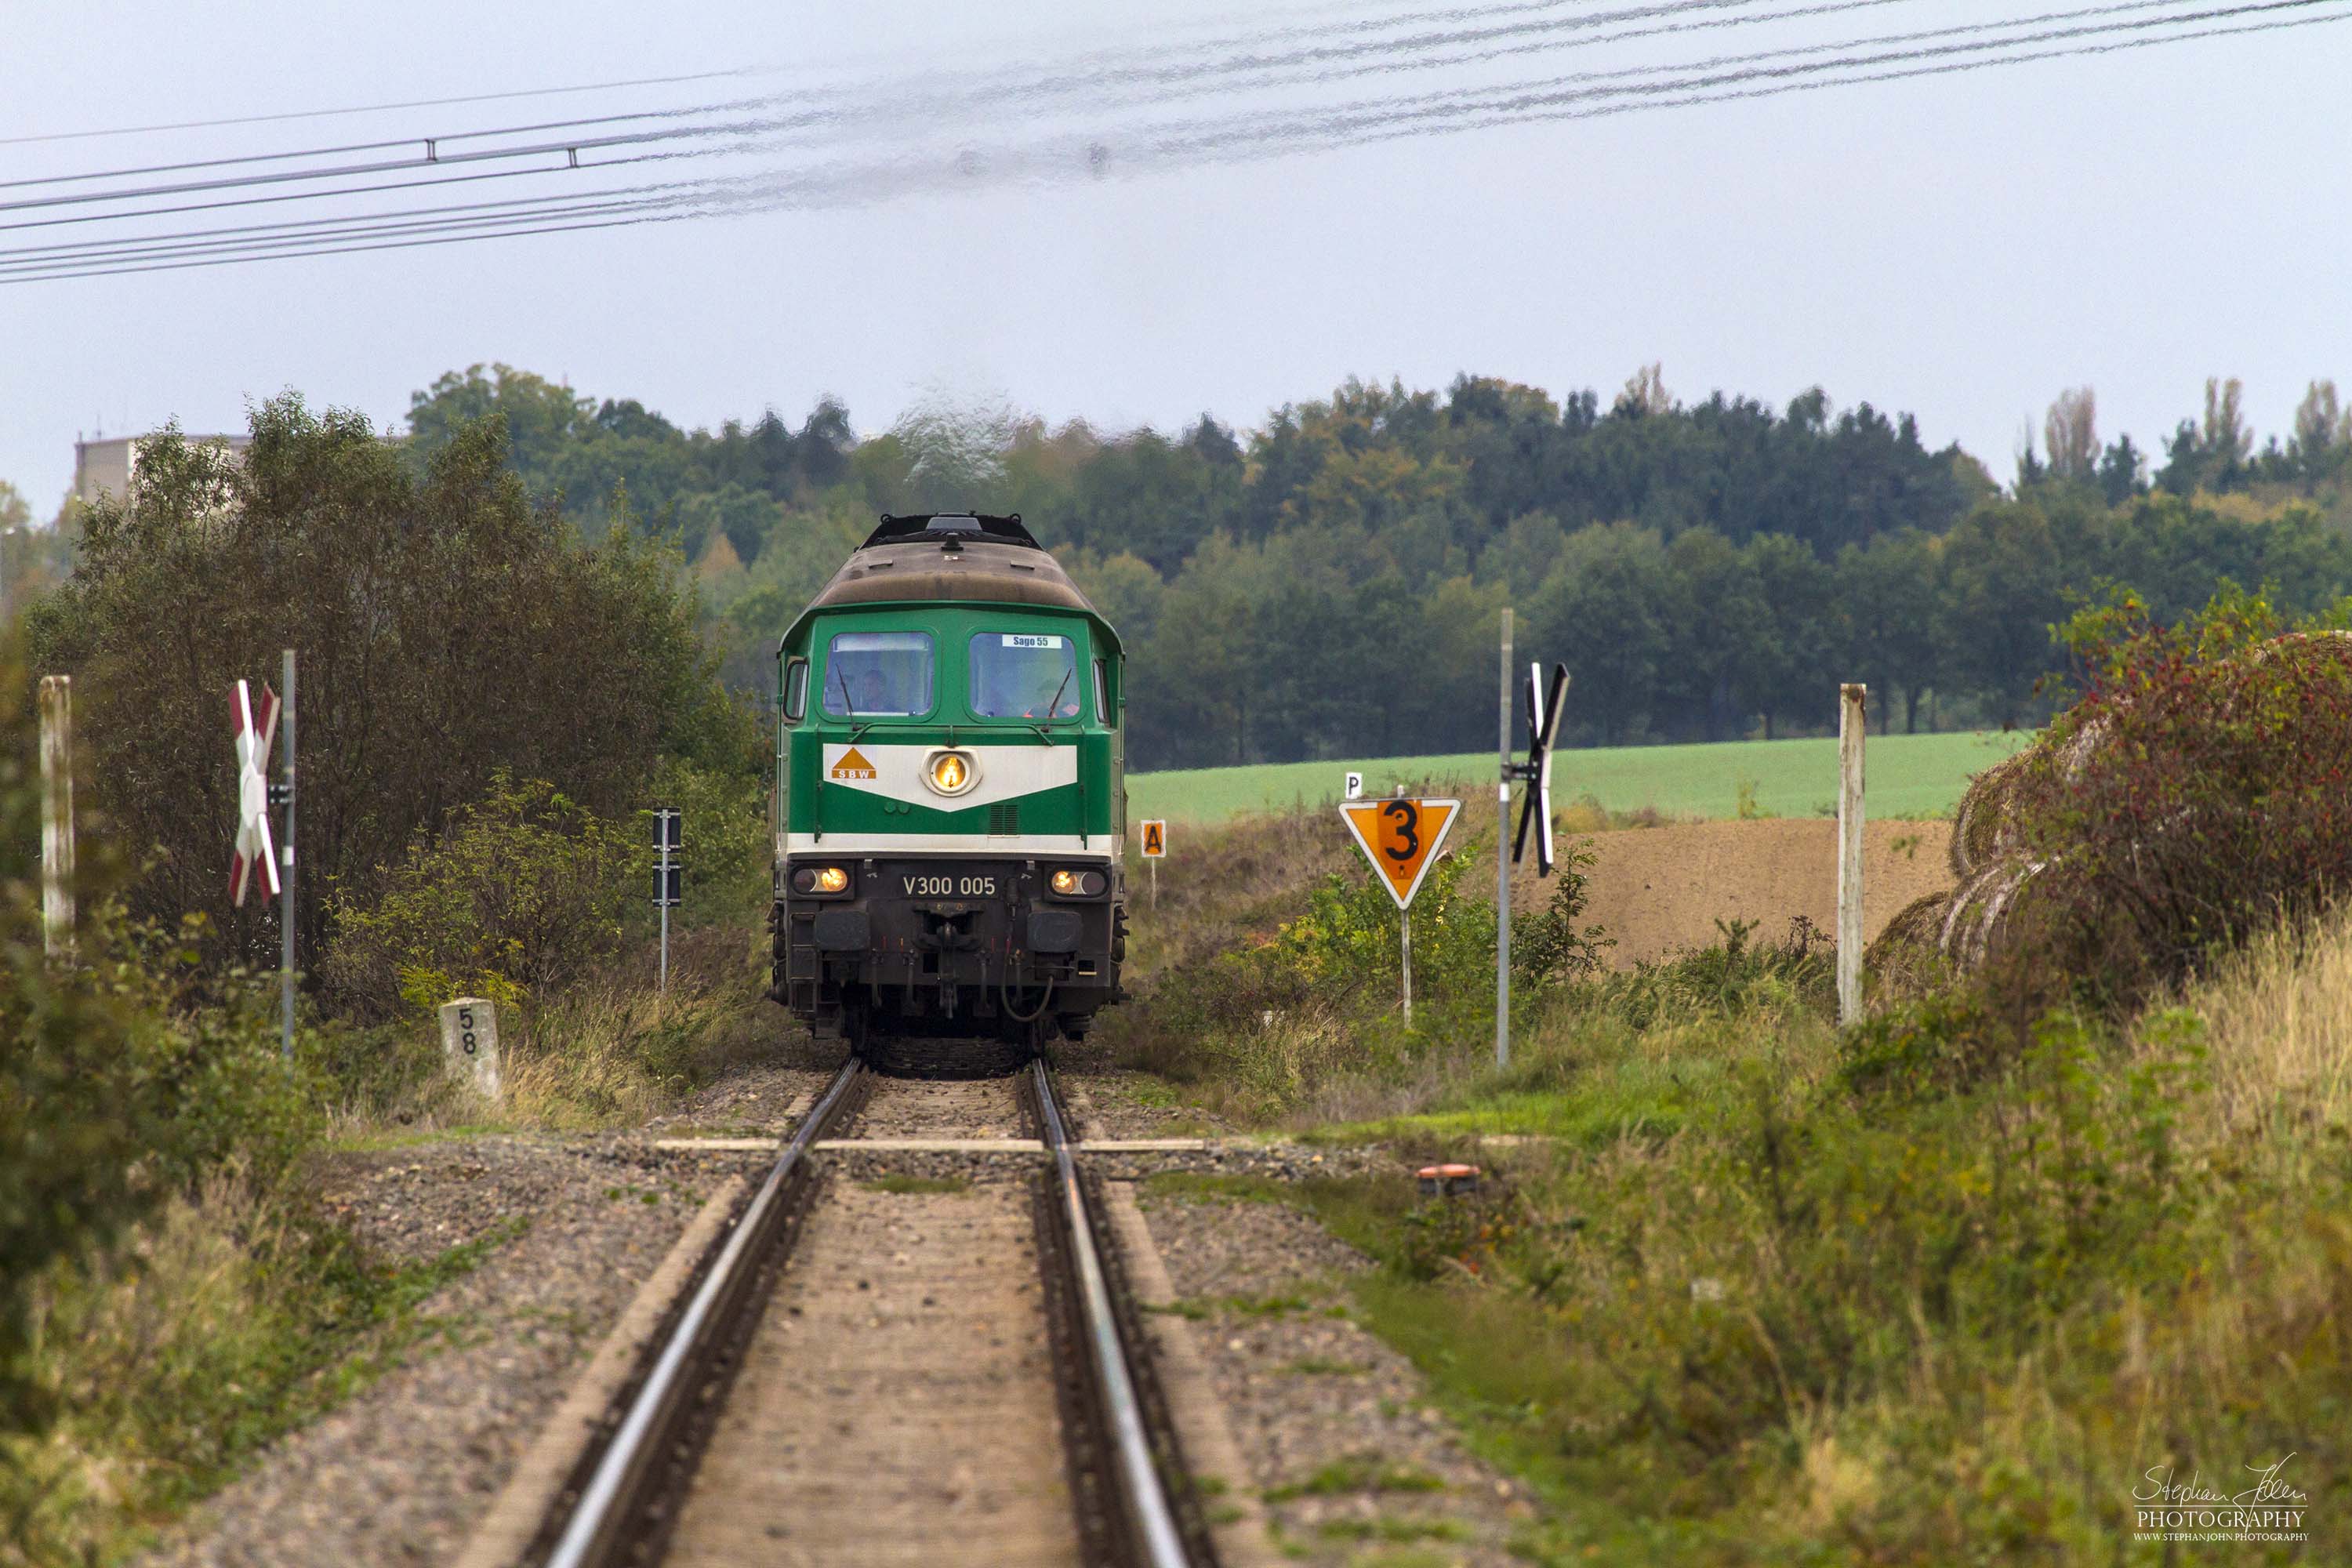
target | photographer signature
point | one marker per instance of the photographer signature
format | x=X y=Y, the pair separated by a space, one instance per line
x=2270 y=1490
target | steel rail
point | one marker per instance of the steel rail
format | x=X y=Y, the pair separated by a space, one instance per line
x=1140 y=1491
x=596 y=1523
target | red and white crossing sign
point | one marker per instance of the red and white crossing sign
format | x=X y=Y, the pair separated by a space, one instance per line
x=255 y=732
x=1401 y=838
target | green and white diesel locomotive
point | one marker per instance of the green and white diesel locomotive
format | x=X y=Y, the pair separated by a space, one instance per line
x=951 y=799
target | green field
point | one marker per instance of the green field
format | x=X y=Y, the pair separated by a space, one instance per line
x=1907 y=776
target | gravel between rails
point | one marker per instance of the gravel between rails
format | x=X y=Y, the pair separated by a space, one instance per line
x=402 y=1471
x=896 y=1404
x=1336 y=1427
x=942 y=1108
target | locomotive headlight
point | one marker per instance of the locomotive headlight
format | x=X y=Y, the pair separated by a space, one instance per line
x=950 y=773
x=1077 y=884
x=821 y=880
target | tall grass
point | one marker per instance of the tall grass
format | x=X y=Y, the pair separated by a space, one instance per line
x=232 y=1318
x=2280 y=1016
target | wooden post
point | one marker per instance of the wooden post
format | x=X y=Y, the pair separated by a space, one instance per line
x=1853 y=703
x=56 y=815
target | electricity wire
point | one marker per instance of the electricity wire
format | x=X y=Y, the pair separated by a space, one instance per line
x=368 y=108
x=850 y=181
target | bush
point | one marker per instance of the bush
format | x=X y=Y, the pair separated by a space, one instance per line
x=448 y=628
x=1734 y=976
x=2194 y=795
x=520 y=891
x=1551 y=947
x=1350 y=939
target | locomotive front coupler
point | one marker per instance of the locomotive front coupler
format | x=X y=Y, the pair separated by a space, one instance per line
x=944 y=930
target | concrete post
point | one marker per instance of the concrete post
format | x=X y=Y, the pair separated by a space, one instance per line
x=56 y=816
x=1853 y=702
x=469 y=1043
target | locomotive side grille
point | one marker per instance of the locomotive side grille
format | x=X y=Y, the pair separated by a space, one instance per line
x=1004 y=819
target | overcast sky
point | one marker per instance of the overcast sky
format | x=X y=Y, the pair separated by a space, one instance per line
x=1962 y=246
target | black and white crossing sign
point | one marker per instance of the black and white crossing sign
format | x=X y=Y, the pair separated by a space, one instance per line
x=1543 y=731
x=255 y=726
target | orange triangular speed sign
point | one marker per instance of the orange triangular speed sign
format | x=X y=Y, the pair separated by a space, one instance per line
x=1400 y=838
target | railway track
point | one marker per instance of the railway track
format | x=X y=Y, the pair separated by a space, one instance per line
x=866 y=1373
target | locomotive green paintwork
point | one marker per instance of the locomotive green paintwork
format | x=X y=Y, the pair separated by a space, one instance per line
x=948 y=835
x=1088 y=806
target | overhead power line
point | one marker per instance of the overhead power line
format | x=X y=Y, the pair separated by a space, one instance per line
x=1234 y=134
x=409 y=103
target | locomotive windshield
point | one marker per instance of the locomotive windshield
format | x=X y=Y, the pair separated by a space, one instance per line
x=878 y=675
x=1024 y=675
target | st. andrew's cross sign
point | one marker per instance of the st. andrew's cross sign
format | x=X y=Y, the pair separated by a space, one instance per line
x=1543 y=734
x=255 y=732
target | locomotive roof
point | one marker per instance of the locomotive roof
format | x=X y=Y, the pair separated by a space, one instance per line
x=939 y=525
x=949 y=558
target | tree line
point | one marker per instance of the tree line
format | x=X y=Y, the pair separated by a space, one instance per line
x=1330 y=583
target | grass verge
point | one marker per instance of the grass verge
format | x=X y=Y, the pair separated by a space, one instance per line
x=1958 y=1285
x=225 y=1324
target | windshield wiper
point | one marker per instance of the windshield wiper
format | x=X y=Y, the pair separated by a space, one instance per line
x=1043 y=733
x=847 y=710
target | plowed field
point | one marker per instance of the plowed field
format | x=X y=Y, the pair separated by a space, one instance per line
x=1657 y=889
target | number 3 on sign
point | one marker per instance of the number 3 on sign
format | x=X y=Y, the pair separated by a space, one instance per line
x=1400 y=831
x=1401 y=838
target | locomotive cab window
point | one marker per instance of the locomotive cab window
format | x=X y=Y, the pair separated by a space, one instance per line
x=1102 y=694
x=1024 y=675
x=796 y=690
x=878 y=675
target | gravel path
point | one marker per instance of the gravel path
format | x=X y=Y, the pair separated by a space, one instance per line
x=1350 y=1459
x=400 y=1473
